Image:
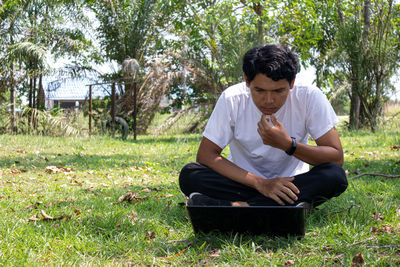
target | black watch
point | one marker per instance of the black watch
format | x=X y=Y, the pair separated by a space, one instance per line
x=292 y=149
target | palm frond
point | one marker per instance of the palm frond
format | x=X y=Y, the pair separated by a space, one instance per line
x=34 y=121
x=29 y=51
x=49 y=124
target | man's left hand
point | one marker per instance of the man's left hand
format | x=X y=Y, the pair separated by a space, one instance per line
x=274 y=135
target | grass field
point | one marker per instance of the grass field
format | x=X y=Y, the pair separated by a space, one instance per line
x=62 y=203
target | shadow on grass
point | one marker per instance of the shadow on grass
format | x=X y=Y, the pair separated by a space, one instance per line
x=85 y=162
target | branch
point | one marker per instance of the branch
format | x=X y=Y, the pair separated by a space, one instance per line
x=374 y=174
x=384 y=246
x=340 y=12
x=392 y=117
x=362 y=241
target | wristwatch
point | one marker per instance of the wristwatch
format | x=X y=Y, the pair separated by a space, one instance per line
x=292 y=149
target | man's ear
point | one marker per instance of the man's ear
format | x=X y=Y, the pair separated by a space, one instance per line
x=246 y=80
x=292 y=83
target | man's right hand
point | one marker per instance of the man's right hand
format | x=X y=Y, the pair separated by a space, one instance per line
x=280 y=189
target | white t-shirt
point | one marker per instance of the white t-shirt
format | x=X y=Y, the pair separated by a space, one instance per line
x=234 y=121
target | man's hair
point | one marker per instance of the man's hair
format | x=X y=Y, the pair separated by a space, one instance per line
x=273 y=60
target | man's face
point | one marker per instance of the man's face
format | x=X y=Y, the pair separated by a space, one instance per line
x=268 y=95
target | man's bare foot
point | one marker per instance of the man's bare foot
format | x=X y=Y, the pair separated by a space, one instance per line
x=239 y=204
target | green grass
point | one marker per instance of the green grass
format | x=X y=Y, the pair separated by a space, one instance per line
x=155 y=229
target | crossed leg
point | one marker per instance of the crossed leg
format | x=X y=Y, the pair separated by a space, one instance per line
x=316 y=186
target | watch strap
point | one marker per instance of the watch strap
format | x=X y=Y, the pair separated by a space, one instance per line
x=292 y=149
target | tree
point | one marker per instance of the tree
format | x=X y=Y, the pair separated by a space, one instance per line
x=218 y=33
x=30 y=30
x=134 y=30
x=212 y=37
x=370 y=56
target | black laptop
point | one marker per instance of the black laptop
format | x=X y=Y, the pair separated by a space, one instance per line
x=257 y=220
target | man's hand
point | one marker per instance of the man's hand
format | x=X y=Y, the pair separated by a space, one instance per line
x=273 y=135
x=280 y=189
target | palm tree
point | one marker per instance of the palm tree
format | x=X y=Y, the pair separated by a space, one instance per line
x=32 y=31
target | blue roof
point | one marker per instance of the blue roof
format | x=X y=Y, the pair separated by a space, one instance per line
x=73 y=89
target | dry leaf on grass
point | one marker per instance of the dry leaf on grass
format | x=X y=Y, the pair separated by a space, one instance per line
x=384 y=229
x=357 y=260
x=173 y=256
x=75 y=182
x=336 y=258
x=150 y=235
x=377 y=215
x=215 y=253
x=16 y=171
x=47 y=217
x=58 y=169
x=132 y=217
x=151 y=190
x=289 y=262
x=34 y=218
x=130 y=196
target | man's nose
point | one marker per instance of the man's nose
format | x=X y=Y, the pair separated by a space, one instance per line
x=268 y=98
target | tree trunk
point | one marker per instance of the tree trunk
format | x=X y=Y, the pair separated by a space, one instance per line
x=260 y=25
x=30 y=92
x=34 y=93
x=367 y=17
x=40 y=94
x=12 y=100
x=354 y=110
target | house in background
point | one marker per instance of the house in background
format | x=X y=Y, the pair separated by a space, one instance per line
x=70 y=92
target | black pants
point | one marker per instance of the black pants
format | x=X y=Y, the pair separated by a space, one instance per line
x=316 y=186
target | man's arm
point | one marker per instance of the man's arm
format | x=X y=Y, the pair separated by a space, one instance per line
x=279 y=189
x=328 y=149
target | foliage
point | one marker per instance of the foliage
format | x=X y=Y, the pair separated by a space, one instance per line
x=216 y=34
x=33 y=121
x=125 y=27
x=30 y=31
x=91 y=226
x=131 y=30
x=363 y=56
x=201 y=43
x=212 y=37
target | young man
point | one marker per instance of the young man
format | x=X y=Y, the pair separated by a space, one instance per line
x=266 y=121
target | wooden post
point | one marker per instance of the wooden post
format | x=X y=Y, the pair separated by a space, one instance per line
x=90 y=109
x=113 y=107
x=134 y=109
